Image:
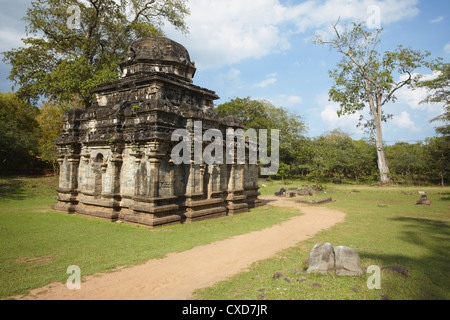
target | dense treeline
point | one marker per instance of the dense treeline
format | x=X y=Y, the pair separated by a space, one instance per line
x=65 y=54
x=18 y=134
x=334 y=156
x=27 y=142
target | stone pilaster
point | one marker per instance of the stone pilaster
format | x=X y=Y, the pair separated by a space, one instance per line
x=236 y=196
x=153 y=209
x=251 y=188
x=68 y=190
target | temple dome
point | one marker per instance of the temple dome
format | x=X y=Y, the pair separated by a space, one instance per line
x=158 y=54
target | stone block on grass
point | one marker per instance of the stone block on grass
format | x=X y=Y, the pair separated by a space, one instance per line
x=321 y=258
x=347 y=261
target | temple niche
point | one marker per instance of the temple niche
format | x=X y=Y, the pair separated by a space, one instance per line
x=115 y=156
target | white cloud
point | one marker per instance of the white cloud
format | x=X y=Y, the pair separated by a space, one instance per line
x=331 y=120
x=223 y=32
x=233 y=75
x=230 y=80
x=283 y=100
x=412 y=98
x=320 y=15
x=447 y=48
x=404 y=121
x=291 y=100
x=438 y=19
x=266 y=83
x=10 y=38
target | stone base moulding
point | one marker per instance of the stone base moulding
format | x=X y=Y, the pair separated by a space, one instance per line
x=147 y=214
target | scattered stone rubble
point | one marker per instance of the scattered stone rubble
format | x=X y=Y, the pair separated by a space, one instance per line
x=424 y=201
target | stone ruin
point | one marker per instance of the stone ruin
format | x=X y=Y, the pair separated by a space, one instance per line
x=115 y=156
x=344 y=260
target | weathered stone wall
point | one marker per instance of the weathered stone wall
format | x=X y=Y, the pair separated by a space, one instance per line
x=115 y=161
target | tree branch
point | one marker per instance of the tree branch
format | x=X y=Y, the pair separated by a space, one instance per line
x=348 y=54
x=397 y=87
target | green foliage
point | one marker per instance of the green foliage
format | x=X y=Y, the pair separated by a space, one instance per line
x=419 y=162
x=311 y=160
x=439 y=92
x=335 y=155
x=58 y=62
x=406 y=160
x=284 y=171
x=437 y=157
x=365 y=79
x=261 y=114
x=18 y=128
x=50 y=120
x=363 y=159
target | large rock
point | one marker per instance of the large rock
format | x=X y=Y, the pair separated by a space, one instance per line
x=324 y=257
x=321 y=258
x=347 y=261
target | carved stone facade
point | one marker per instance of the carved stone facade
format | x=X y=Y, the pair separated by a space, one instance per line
x=115 y=156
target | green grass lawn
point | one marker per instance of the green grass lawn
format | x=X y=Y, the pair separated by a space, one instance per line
x=38 y=244
x=399 y=234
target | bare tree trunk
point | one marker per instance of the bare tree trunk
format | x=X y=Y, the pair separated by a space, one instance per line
x=383 y=168
x=356 y=177
x=375 y=106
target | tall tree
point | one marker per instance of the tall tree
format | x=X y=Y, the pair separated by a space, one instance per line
x=311 y=154
x=407 y=159
x=18 y=128
x=261 y=114
x=364 y=79
x=439 y=92
x=337 y=150
x=74 y=45
x=437 y=155
x=50 y=121
x=363 y=160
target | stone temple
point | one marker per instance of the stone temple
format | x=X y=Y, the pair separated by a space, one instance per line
x=115 y=156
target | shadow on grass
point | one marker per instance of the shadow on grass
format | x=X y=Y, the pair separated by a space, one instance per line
x=12 y=189
x=430 y=266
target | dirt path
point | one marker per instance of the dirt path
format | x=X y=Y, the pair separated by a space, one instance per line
x=177 y=275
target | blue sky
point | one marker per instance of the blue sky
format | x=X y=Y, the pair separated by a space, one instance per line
x=263 y=49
